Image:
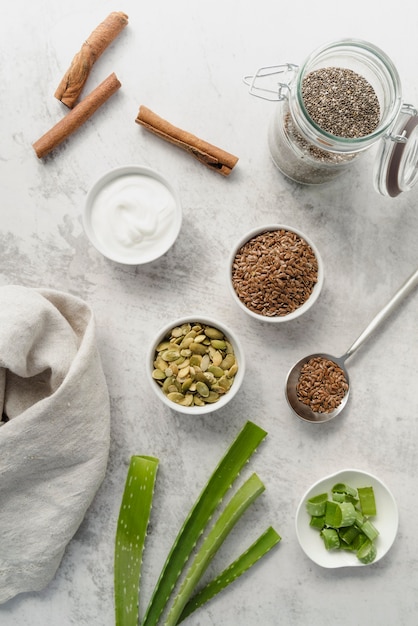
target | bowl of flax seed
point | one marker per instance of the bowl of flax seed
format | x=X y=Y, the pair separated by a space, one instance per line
x=275 y=273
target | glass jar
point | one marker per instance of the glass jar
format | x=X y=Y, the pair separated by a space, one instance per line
x=302 y=140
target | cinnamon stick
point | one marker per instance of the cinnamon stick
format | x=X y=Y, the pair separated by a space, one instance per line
x=75 y=77
x=212 y=156
x=77 y=116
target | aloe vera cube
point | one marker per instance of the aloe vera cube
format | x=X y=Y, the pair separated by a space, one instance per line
x=345 y=489
x=339 y=497
x=367 y=500
x=359 y=540
x=366 y=526
x=331 y=538
x=344 y=497
x=332 y=514
x=367 y=552
x=370 y=530
x=348 y=547
x=317 y=504
x=348 y=514
x=360 y=519
x=317 y=522
x=348 y=534
x=338 y=514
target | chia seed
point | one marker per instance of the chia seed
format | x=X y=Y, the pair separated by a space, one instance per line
x=316 y=153
x=341 y=102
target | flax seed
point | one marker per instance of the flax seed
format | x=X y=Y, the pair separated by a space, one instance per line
x=322 y=385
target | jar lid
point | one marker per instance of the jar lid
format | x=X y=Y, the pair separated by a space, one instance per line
x=397 y=160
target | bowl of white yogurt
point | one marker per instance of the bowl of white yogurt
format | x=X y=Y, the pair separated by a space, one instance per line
x=132 y=215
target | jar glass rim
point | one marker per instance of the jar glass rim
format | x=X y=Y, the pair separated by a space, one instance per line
x=371 y=53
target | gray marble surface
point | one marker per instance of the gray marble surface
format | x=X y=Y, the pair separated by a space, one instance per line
x=186 y=60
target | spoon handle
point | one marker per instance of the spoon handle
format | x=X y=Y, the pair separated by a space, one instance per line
x=408 y=285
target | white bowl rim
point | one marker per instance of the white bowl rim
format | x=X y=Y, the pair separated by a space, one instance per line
x=341 y=558
x=316 y=290
x=238 y=350
x=116 y=172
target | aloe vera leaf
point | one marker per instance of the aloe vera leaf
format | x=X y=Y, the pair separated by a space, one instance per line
x=367 y=501
x=238 y=454
x=232 y=512
x=131 y=531
x=247 y=559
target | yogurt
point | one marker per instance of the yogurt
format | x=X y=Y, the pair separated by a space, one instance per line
x=133 y=217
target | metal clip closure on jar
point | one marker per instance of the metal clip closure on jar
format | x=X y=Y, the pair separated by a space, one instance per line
x=345 y=98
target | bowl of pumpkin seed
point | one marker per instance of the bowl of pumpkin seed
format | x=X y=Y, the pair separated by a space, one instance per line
x=195 y=365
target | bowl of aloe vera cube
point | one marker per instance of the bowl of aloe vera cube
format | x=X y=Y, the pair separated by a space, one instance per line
x=347 y=519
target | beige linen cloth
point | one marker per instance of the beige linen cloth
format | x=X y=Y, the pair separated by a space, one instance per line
x=54 y=433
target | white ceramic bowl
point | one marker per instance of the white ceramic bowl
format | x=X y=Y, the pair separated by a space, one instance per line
x=132 y=215
x=239 y=356
x=302 y=308
x=386 y=520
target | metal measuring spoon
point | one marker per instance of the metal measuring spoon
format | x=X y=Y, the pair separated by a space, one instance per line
x=305 y=412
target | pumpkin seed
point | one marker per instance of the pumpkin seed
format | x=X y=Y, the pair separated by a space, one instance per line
x=229 y=348
x=184 y=371
x=213 y=333
x=218 y=389
x=233 y=370
x=205 y=362
x=198 y=348
x=167 y=383
x=216 y=371
x=195 y=359
x=210 y=378
x=202 y=389
x=158 y=375
x=225 y=382
x=200 y=377
x=228 y=362
x=160 y=364
x=186 y=386
x=218 y=344
x=175 y=396
x=165 y=345
x=187 y=400
x=212 y=397
x=217 y=358
x=170 y=355
x=172 y=370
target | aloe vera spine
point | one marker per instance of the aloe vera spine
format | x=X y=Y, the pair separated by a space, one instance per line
x=130 y=537
x=244 y=445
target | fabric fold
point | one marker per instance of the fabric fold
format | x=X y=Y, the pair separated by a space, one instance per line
x=54 y=433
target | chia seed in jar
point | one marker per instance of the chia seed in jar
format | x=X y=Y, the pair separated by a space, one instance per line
x=341 y=103
x=344 y=98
